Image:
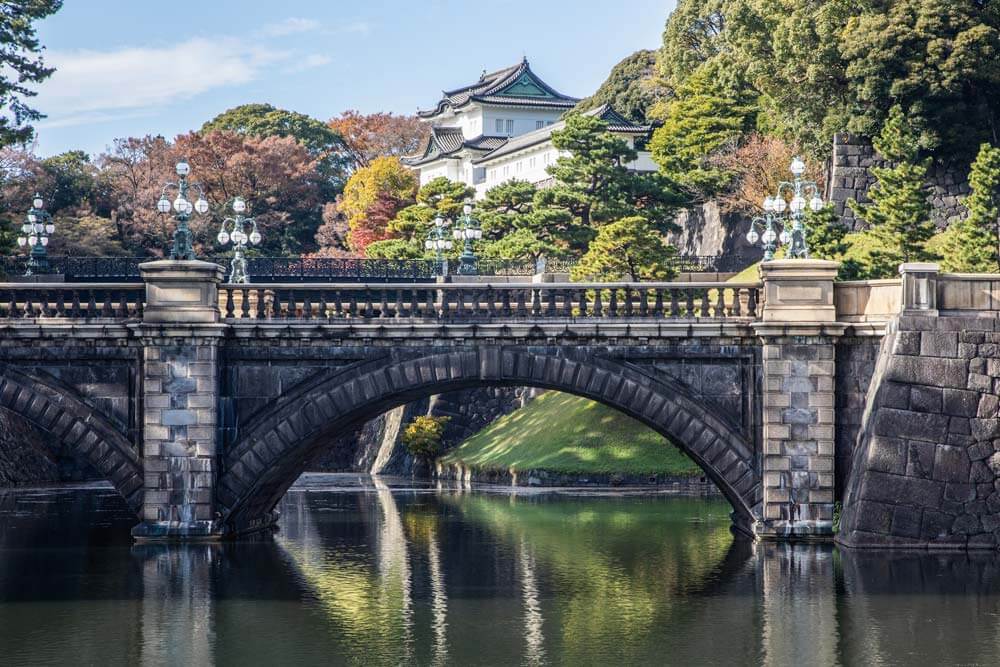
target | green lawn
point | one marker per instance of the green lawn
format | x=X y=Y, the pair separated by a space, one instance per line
x=566 y=434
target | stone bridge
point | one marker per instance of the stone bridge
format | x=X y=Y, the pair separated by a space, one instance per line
x=202 y=402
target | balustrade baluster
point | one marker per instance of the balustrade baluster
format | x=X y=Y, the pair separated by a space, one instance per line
x=752 y=302
x=568 y=302
x=598 y=306
x=737 y=299
x=399 y=304
x=658 y=304
x=522 y=308
x=324 y=307
x=705 y=303
x=552 y=295
x=581 y=298
x=414 y=304
x=92 y=304
x=338 y=305
x=613 y=303
x=292 y=307
x=643 y=302
x=29 y=307
x=675 y=308
x=430 y=308
x=383 y=306
x=230 y=305
x=628 y=302
x=106 y=305
x=491 y=306
x=720 y=303
x=689 y=305
x=460 y=303
x=536 y=302
x=244 y=304
x=12 y=306
x=369 y=307
x=261 y=303
x=44 y=304
x=60 y=303
x=75 y=307
x=505 y=301
x=307 y=307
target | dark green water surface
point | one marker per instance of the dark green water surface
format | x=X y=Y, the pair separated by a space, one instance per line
x=390 y=573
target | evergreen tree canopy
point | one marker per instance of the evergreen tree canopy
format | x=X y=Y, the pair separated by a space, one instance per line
x=626 y=249
x=700 y=124
x=973 y=244
x=594 y=185
x=631 y=89
x=20 y=66
x=899 y=214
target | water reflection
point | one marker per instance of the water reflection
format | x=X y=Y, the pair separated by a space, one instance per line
x=380 y=575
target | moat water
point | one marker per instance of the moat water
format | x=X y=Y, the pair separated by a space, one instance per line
x=372 y=573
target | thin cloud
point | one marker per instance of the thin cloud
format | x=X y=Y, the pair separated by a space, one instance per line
x=357 y=27
x=290 y=26
x=310 y=62
x=90 y=83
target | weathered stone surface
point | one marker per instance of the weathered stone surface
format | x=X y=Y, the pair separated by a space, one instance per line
x=948 y=430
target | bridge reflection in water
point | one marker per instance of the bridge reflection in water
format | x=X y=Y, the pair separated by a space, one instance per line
x=376 y=575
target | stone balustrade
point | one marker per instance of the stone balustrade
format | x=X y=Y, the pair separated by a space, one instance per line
x=696 y=301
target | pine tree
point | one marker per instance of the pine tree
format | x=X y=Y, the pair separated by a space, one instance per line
x=626 y=249
x=827 y=239
x=974 y=243
x=899 y=214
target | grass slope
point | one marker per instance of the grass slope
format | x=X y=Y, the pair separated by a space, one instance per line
x=567 y=434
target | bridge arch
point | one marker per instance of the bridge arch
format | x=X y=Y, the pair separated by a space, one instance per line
x=274 y=448
x=76 y=425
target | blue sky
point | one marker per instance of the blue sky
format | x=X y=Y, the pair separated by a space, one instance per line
x=135 y=67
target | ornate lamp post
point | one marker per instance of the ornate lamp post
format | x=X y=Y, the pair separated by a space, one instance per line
x=802 y=193
x=183 y=247
x=437 y=239
x=35 y=234
x=467 y=229
x=239 y=238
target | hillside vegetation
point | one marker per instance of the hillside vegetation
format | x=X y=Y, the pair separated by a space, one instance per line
x=567 y=434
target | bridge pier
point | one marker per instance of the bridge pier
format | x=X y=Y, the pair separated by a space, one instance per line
x=798 y=331
x=180 y=337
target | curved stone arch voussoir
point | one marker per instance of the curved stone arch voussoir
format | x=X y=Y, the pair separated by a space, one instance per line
x=77 y=426
x=273 y=452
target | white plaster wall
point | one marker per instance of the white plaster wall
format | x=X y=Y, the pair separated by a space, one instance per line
x=524 y=119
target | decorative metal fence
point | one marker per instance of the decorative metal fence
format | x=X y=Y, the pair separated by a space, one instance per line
x=330 y=269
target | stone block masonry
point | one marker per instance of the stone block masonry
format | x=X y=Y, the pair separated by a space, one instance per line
x=926 y=472
x=799 y=423
x=181 y=396
x=851 y=177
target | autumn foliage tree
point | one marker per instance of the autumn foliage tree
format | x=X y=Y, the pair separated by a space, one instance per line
x=370 y=136
x=372 y=197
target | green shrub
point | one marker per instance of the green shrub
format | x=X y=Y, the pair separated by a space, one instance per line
x=422 y=437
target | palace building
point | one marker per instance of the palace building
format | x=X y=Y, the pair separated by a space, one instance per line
x=500 y=128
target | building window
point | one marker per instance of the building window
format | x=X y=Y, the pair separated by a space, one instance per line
x=499 y=125
x=510 y=127
x=549 y=122
x=539 y=124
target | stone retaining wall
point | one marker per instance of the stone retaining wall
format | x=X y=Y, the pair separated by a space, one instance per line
x=926 y=467
x=851 y=177
x=547 y=478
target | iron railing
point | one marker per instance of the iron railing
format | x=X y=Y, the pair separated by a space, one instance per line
x=76 y=301
x=470 y=301
x=332 y=269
